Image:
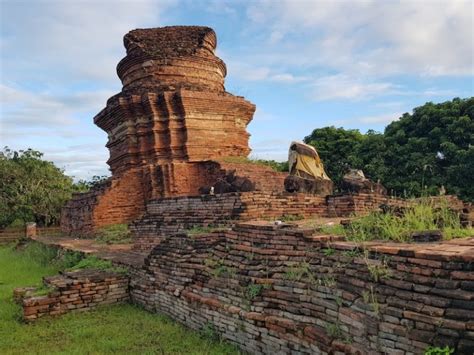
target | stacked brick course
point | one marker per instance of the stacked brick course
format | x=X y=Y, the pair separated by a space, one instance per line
x=73 y=292
x=171 y=215
x=278 y=290
x=360 y=203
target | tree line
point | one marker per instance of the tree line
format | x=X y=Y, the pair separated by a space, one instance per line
x=420 y=153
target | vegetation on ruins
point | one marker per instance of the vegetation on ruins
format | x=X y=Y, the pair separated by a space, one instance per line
x=416 y=155
x=291 y=218
x=436 y=350
x=422 y=215
x=253 y=290
x=299 y=271
x=93 y=262
x=98 y=331
x=196 y=230
x=114 y=234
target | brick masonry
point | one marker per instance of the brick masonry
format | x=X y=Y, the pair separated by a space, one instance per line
x=280 y=290
x=168 y=128
x=73 y=292
x=171 y=215
x=168 y=216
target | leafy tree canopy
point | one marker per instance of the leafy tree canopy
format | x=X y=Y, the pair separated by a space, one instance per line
x=419 y=153
x=31 y=189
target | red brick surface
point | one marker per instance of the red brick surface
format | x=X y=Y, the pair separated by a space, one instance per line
x=278 y=290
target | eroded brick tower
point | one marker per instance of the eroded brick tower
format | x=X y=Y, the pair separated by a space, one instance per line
x=173 y=112
x=170 y=130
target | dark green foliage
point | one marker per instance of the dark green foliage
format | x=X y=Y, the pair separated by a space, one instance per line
x=31 y=189
x=337 y=148
x=416 y=155
x=434 y=146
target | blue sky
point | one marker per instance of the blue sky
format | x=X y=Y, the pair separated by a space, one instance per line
x=305 y=64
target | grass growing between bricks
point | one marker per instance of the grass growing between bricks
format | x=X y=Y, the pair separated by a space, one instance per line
x=121 y=329
x=422 y=215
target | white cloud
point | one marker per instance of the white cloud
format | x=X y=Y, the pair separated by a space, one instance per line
x=385 y=38
x=345 y=87
x=24 y=111
x=70 y=40
x=245 y=71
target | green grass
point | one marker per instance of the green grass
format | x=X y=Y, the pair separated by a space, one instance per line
x=421 y=216
x=114 y=234
x=119 y=329
x=197 y=230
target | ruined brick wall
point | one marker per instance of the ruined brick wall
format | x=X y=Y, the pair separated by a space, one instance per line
x=264 y=177
x=171 y=215
x=272 y=290
x=359 y=203
x=362 y=203
x=120 y=200
x=73 y=291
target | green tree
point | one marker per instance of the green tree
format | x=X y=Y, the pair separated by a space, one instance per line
x=337 y=148
x=31 y=189
x=417 y=154
x=432 y=147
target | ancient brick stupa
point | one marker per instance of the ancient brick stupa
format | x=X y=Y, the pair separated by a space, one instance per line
x=172 y=130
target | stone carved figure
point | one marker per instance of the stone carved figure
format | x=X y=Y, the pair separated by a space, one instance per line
x=307 y=172
x=355 y=181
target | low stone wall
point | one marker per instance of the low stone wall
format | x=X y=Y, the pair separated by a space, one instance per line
x=359 y=204
x=172 y=215
x=72 y=291
x=275 y=289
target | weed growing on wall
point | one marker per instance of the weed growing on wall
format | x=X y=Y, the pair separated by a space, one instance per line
x=435 y=350
x=218 y=269
x=253 y=290
x=370 y=298
x=423 y=214
x=328 y=251
x=197 y=230
x=299 y=271
x=378 y=269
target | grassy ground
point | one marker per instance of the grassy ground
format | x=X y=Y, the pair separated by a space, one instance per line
x=119 y=329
